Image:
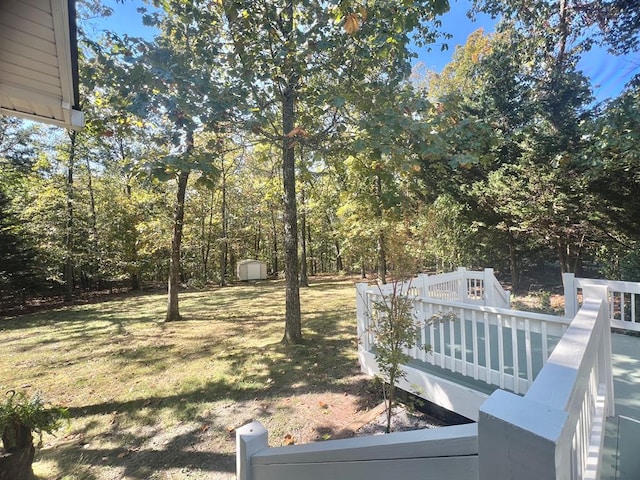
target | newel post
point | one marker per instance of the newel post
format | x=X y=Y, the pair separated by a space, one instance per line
x=250 y=439
x=423 y=284
x=489 y=287
x=518 y=439
x=570 y=295
x=462 y=285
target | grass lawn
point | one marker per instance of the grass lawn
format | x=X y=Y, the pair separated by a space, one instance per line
x=156 y=400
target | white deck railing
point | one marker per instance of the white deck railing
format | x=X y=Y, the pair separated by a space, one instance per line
x=444 y=453
x=463 y=286
x=622 y=299
x=500 y=347
x=554 y=432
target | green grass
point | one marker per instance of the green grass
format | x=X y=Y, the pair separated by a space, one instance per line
x=129 y=379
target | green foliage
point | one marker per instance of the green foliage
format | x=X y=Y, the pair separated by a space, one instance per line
x=500 y=160
x=612 y=164
x=17 y=256
x=393 y=322
x=395 y=330
x=18 y=410
x=630 y=266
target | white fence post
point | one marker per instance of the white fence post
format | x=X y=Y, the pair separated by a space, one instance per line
x=423 y=284
x=362 y=315
x=250 y=439
x=462 y=286
x=570 y=295
x=489 y=287
x=517 y=440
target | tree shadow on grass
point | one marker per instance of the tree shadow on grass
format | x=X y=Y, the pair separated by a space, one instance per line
x=241 y=373
x=140 y=458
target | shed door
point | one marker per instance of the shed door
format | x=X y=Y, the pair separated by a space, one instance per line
x=253 y=271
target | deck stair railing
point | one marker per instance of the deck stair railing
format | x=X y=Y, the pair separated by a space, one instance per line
x=624 y=300
x=465 y=286
x=499 y=347
x=556 y=430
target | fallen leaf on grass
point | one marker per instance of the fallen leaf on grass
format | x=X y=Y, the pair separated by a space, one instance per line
x=322 y=404
x=289 y=440
x=129 y=450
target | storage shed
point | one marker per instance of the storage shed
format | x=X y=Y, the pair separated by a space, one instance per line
x=252 y=270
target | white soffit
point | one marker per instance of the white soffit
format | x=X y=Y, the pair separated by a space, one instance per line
x=38 y=61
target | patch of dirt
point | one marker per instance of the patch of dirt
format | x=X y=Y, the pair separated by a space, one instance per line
x=402 y=420
x=205 y=449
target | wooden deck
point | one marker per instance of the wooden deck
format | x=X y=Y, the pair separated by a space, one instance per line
x=553 y=397
x=626 y=378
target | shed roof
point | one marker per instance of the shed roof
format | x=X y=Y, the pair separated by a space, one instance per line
x=242 y=262
x=39 y=61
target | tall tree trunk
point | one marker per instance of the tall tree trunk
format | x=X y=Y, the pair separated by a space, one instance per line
x=274 y=244
x=304 y=277
x=92 y=204
x=173 y=310
x=257 y=240
x=224 y=223
x=312 y=262
x=381 y=252
x=207 y=233
x=336 y=245
x=562 y=256
x=513 y=262
x=93 y=240
x=134 y=278
x=339 y=264
x=293 y=321
x=382 y=259
x=68 y=264
x=132 y=258
x=576 y=265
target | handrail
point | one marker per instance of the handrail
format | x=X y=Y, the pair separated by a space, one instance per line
x=460 y=286
x=624 y=300
x=556 y=430
x=448 y=452
x=497 y=346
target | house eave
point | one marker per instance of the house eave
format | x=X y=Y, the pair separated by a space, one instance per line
x=39 y=62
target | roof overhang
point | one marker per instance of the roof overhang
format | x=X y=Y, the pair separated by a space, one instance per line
x=39 y=61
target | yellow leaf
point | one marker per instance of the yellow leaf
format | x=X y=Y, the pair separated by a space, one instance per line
x=289 y=440
x=351 y=24
x=297 y=132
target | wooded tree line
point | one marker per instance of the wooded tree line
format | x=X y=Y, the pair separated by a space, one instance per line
x=295 y=132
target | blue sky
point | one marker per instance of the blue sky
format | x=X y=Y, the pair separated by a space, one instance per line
x=608 y=73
